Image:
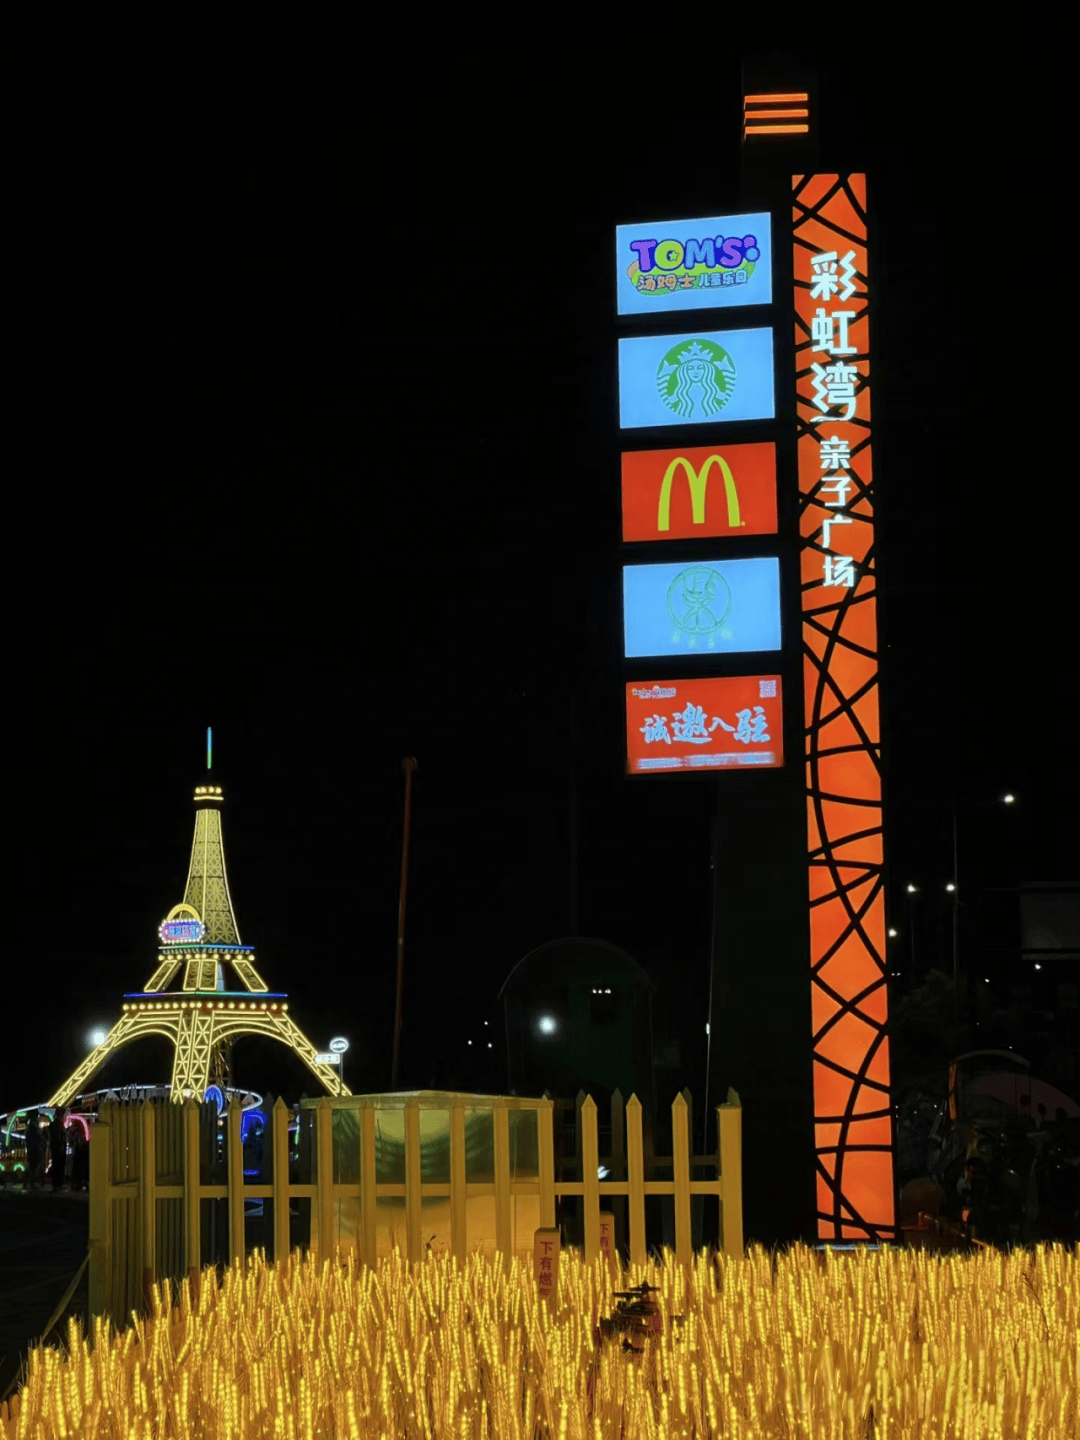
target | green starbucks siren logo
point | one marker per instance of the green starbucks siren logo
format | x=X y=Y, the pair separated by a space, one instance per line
x=697 y=380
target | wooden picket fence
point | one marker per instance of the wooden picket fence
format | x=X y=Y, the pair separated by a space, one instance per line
x=146 y=1155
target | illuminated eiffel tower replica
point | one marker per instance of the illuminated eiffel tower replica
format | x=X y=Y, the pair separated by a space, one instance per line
x=200 y=946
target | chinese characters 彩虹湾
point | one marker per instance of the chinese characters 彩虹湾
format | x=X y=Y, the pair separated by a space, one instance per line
x=835 y=389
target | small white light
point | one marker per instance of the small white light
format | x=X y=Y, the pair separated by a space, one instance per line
x=487 y=1022
x=602 y=1172
x=96 y=1038
x=607 y=992
x=1008 y=799
x=911 y=889
x=892 y=933
x=706 y=1027
x=470 y=1042
x=489 y=1045
x=1037 y=965
x=950 y=886
x=547 y=1024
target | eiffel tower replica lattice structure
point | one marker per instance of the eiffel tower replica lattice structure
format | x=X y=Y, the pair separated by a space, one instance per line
x=200 y=947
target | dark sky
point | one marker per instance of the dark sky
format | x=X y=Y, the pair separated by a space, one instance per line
x=314 y=443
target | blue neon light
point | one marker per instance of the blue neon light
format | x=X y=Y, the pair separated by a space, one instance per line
x=214 y=1091
x=227 y=994
x=248 y=1119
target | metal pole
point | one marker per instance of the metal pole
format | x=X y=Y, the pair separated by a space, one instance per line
x=956 y=910
x=409 y=765
x=715 y=878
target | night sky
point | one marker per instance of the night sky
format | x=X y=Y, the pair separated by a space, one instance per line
x=315 y=444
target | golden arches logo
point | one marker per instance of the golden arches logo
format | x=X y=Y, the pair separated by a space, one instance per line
x=698 y=481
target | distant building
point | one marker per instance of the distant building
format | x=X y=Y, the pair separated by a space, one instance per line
x=579 y=1017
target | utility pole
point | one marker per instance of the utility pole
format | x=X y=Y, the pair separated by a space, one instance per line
x=409 y=766
x=955 y=912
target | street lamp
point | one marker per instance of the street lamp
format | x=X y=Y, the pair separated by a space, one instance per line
x=912 y=891
x=96 y=1038
x=952 y=888
x=892 y=933
x=338 y=1046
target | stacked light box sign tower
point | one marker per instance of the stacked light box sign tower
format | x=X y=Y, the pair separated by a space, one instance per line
x=705 y=317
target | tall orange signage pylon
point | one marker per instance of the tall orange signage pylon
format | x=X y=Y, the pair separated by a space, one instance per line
x=188 y=999
x=849 y=996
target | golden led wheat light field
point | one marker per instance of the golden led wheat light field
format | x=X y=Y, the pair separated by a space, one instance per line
x=885 y=1344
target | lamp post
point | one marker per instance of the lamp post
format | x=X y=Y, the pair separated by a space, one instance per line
x=338 y=1046
x=953 y=888
x=955 y=891
x=409 y=766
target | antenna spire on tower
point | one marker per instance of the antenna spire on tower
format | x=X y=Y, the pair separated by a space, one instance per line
x=209 y=746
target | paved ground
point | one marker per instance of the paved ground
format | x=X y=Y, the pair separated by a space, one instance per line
x=42 y=1244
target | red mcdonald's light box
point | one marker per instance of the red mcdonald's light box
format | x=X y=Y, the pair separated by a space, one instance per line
x=711 y=723
x=704 y=490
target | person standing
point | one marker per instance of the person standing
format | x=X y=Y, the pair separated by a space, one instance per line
x=57 y=1149
x=80 y=1159
x=35 y=1149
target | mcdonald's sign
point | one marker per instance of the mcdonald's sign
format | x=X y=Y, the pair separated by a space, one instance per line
x=706 y=491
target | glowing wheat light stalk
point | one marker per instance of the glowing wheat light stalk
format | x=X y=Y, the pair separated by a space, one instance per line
x=807 y=1347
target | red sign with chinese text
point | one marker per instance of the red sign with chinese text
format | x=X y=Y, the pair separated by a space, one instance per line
x=712 y=723
x=704 y=490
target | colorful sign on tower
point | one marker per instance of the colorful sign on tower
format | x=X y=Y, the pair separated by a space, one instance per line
x=702 y=586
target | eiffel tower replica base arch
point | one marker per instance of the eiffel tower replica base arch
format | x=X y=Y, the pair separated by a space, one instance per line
x=200 y=948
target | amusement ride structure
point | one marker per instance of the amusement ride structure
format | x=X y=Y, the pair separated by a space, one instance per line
x=187 y=999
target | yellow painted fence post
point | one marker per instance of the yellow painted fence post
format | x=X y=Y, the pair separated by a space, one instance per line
x=190 y=1202
x=680 y=1154
x=501 y=1123
x=280 y=1138
x=590 y=1164
x=100 y=1218
x=413 y=1246
x=545 y=1135
x=146 y=1158
x=234 y=1163
x=368 y=1178
x=458 y=1222
x=729 y=1133
x=635 y=1164
x=324 y=1178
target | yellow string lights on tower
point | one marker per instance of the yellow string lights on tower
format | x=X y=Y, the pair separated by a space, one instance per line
x=200 y=938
